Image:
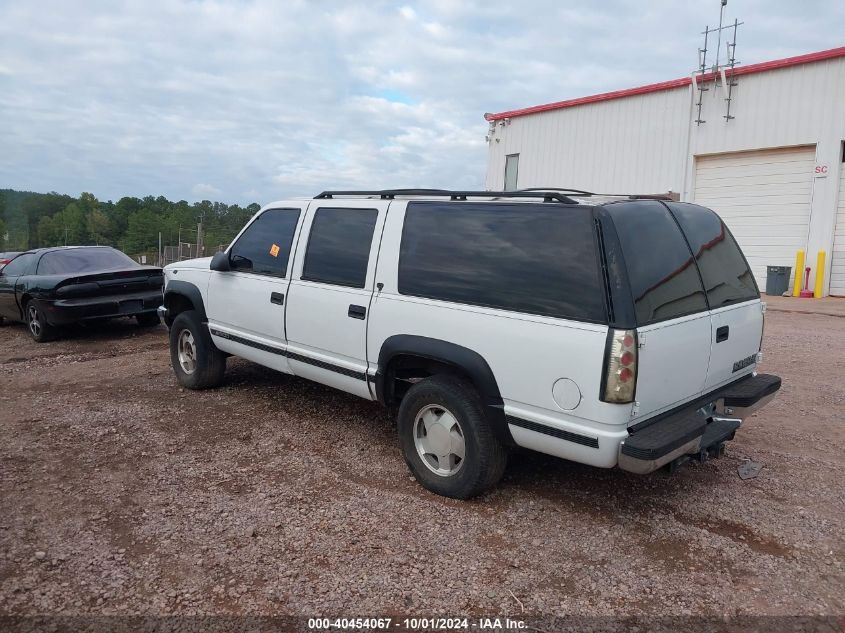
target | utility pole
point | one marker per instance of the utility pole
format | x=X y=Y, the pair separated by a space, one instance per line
x=200 y=246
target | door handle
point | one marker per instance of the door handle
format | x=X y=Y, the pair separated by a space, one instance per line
x=278 y=298
x=722 y=333
x=357 y=312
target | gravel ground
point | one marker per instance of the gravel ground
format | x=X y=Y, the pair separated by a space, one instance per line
x=121 y=493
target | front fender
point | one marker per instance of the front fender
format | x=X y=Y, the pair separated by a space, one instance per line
x=175 y=292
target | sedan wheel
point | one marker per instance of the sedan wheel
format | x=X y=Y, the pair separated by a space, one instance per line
x=34 y=321
x=40 y=330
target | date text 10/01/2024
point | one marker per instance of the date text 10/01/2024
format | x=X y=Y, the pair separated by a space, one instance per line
x=413 y=624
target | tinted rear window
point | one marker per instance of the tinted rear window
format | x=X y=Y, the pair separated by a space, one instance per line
x=533 y=258
x=339 y=246
x=727 y=277
x=661 y=270
x=84 y=260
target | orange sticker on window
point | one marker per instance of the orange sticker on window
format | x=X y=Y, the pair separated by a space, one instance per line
x=274 y=250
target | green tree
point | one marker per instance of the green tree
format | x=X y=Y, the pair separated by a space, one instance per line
x=97 y=224
x=51 y=219
x=48 y=233
x=72 y=224
x=142 y=232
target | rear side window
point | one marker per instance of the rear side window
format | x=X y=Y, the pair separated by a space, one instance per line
x=84 y=260
x=727 y=277
x=661 y=270
x=264 y=247
x=539 y=259
x=20 y=265
x=339 y=247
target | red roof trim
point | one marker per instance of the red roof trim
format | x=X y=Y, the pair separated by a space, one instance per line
x=674 y=83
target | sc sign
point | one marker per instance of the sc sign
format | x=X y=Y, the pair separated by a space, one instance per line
x=821 y=171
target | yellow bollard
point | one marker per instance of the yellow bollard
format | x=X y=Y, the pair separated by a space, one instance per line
x=799 y=273
x=817 y=291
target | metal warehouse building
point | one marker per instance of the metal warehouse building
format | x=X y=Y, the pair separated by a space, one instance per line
x=766 y=152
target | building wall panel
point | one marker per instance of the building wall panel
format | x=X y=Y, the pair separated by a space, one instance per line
x=648 y=143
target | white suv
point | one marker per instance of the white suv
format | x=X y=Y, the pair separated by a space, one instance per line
x=608 y=331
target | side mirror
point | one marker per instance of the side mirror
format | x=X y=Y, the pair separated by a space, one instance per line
x=220 y=262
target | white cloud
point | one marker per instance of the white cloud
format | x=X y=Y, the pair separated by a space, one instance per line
x=201 y=190
x=408 y=13
x=266 y=99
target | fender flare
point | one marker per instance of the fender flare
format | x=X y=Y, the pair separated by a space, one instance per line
x=184 y=289
x=462 y=358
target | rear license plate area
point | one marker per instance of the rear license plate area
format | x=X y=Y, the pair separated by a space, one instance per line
x=132 y=306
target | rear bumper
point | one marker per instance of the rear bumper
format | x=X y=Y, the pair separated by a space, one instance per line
x=697 y=430
x=66 y=311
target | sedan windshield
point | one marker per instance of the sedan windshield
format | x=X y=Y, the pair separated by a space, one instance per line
x=84 y=260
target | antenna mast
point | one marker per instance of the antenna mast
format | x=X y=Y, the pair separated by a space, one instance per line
x=722 y=75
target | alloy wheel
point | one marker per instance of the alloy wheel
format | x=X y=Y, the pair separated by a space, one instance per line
x=187 y=349
x=33 y=320
x=439 y=440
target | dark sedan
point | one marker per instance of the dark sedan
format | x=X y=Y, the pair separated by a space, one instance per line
x=50 y=287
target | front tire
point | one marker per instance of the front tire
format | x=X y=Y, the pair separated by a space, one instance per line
x=446 y=439
x=36 y=323
x=197 y=363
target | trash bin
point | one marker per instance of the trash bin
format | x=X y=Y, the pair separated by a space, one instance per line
x=777 y=279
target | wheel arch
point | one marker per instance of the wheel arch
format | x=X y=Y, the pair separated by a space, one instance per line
x=439 y=356
x=180 y=296
x=26 y=297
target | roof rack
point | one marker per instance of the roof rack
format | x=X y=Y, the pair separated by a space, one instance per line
x=548 y=195
x=587 y=194
x=566 y=189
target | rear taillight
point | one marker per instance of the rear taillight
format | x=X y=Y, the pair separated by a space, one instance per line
x=620 y=381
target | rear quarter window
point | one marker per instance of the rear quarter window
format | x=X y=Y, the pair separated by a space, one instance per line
x=532 y=258
x=21 y=265
x=661 y=270
x=724 y=270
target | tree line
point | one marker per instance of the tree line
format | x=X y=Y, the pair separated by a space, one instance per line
x=31 y=220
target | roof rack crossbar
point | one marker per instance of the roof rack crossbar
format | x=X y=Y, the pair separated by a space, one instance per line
x=586 y=194
x=579 y=192
x=390 y=194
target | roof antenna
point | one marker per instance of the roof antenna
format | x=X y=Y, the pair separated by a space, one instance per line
x=722 y=75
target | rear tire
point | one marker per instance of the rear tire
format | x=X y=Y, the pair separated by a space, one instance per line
x=446 y=438
x=147 y=319
x=197 y=363
x=36 y=323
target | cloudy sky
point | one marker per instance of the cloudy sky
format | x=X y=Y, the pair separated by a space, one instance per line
x=254 y=100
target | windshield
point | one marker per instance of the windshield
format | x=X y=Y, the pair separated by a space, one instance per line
x=84 y=260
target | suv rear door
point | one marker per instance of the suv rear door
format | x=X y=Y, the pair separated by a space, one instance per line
x=331 y=290
x=735 y=306
x=673 y=321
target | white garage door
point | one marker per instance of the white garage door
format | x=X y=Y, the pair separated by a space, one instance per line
x=764 y=198
x=837 y=261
